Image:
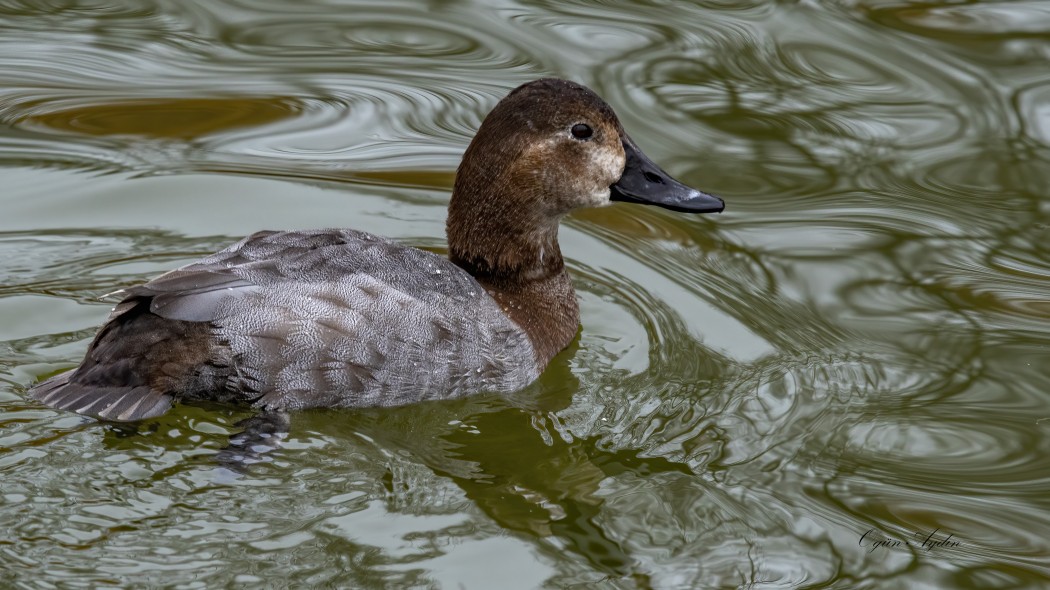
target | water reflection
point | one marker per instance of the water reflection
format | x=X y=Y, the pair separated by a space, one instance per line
x=172 y=119
x=857 y=344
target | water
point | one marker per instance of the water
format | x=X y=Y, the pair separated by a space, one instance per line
x=783 y=395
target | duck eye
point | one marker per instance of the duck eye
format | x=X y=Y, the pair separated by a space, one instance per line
x=582 y=131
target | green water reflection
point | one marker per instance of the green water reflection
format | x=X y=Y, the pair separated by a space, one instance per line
x=858 y=344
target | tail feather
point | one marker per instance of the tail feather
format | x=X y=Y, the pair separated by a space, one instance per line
x=49 y=390
x=136 y=366
x=113 y=403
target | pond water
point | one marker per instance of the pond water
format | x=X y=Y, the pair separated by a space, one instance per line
x=840 y=382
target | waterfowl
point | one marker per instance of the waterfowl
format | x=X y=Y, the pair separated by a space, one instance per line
x=286 y=320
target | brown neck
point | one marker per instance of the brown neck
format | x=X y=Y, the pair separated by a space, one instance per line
x=523 y=270
x=546 y=309
x=503 y=230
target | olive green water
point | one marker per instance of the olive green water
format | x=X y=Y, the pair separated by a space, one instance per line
x=795 y=393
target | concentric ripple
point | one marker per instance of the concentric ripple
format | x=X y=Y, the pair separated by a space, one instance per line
x=855 y=350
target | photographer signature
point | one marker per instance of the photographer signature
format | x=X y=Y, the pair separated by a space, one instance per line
x=876 y=540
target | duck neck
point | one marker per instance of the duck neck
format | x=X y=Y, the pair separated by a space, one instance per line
x=519 y=263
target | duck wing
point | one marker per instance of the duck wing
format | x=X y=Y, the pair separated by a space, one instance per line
x=348 y=319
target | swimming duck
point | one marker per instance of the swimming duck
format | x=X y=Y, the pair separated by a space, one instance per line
x=286 y=320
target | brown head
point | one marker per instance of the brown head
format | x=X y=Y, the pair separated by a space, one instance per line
x=549 y=147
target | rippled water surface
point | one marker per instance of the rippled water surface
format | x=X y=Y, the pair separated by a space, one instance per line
x=797 y=392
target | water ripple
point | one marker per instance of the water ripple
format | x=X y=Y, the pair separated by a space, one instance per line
x=857 y=344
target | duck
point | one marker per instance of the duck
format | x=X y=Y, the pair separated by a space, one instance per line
x=341 y=318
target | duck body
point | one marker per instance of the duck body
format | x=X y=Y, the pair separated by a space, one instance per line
x=342 y=318
x=293 y=320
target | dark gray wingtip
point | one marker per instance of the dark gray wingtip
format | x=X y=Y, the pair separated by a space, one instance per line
x=113 y=404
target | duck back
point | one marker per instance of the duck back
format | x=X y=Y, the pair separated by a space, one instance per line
x=292 y=320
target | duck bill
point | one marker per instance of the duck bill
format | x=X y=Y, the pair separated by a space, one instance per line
x=645 y=183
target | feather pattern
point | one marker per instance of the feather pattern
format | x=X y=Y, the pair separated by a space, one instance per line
x=291 y=320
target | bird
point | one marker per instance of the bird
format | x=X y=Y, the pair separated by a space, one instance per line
x=341 y=318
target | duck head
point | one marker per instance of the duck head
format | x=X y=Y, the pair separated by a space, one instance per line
x=549 y=147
